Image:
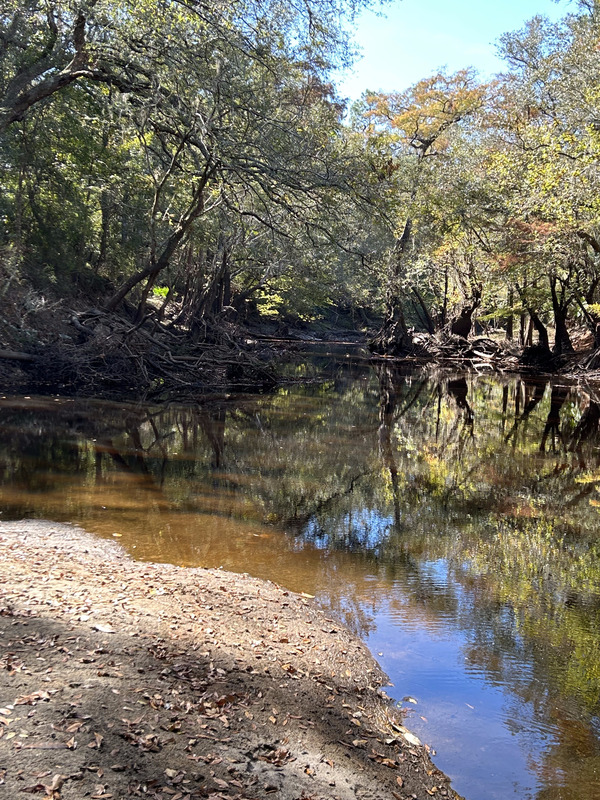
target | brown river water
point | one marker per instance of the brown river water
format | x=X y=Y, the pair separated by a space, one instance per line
x=453 y=522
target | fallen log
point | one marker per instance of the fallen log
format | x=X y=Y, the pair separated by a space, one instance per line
x=13 y=355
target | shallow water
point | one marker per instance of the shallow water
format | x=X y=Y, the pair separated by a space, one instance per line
x=452 y=523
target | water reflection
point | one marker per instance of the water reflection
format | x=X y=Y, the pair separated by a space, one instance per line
x=452 y=522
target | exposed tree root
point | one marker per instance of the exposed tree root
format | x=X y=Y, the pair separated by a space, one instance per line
x=109 y=354
x=481 y=353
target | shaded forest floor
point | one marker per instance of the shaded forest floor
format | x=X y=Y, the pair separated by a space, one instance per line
x=124 y=679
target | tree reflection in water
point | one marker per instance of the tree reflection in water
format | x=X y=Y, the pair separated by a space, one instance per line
x=457 y=503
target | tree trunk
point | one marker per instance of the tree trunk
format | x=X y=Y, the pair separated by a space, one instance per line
x=152 y=270
x=427 y=319
x=528 y=340
x=510 y=320
x=542 y=352
x=541 y=330
x=106 y=214
x=148 y=271
x=393 y=338
x=461 y=325
x=562 y=340
x=445 y=303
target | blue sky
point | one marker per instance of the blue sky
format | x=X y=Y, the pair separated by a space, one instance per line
x=416 y=37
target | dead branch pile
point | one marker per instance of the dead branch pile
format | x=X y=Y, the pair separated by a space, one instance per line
x=109 y=353
x=480 y=353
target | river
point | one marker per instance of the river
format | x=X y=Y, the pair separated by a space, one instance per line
x=451 y=520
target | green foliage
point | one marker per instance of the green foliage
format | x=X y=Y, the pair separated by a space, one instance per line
x=204 y=148
x=202 y=143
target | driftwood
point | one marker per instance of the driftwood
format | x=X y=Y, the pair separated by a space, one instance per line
x=12 y=355
x=108 y=355
x=481 y=353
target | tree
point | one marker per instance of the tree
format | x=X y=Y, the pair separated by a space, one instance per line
x=222 y=117
x=544 y=159
x=416 y=125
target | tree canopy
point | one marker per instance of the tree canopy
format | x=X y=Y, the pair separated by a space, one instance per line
x=187 y=159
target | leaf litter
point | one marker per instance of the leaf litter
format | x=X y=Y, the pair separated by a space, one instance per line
x=132 y=680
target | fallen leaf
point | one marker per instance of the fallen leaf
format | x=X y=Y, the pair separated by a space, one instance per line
x=31 y=699
x=411 y=738
x=381 y=759
x=57 y=783
x=103 y=628
x=75 y=726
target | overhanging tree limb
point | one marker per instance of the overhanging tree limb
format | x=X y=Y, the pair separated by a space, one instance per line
x=28 y=87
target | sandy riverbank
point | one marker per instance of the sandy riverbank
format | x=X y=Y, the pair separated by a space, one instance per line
x=123 y=679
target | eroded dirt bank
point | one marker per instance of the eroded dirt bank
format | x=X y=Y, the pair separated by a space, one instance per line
x=121 y=679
